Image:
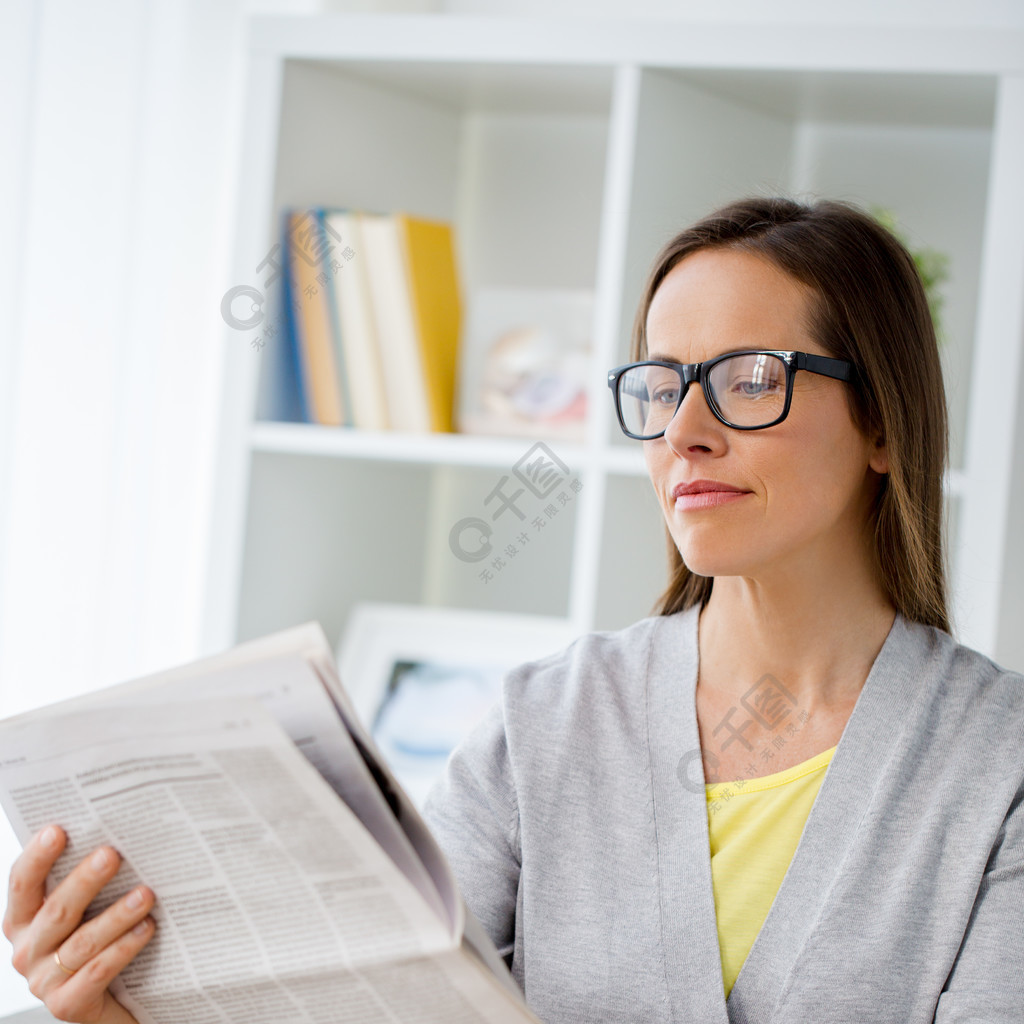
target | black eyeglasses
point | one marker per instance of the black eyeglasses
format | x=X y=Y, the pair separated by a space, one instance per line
x=747 y=390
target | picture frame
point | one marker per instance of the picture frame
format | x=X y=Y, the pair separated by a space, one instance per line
x=420 y=677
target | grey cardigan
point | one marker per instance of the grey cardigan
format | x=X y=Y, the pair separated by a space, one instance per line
x=588 y=861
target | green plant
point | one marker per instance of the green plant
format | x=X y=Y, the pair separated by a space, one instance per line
x=932 y=265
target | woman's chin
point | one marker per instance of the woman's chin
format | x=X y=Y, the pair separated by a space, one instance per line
x=704 y=562
x=704 y=565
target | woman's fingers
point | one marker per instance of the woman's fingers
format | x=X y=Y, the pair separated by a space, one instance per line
x=27 y=886
x=83 y=995
x=69 y=965
x=61 y=912
x=95 y=936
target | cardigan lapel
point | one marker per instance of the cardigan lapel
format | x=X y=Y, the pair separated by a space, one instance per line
x=869 y=740
x=693 y=964
x=689 y=924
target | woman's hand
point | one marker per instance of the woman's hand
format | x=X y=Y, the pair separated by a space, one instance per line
x=70 y=965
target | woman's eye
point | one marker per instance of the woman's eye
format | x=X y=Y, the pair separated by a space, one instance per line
x=666 y=396
x=755 y=388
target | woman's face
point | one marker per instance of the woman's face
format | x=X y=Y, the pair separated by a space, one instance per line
x=807 y=482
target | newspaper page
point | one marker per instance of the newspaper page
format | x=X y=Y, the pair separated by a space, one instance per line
x=474 y=938
x=396 y=825
x=273 y=901
x=276 y=671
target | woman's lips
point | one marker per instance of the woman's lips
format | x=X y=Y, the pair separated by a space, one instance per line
x=707 y=499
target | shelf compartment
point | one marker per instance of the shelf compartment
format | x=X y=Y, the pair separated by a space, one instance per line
x=323 y=535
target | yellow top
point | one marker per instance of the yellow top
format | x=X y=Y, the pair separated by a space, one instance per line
x=755 y=826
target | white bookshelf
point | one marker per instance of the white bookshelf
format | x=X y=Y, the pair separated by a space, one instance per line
x=565 y=153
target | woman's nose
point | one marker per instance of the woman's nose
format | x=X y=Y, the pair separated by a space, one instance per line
x=693 y=422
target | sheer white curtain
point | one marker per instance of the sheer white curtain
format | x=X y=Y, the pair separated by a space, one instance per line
x=118 y=160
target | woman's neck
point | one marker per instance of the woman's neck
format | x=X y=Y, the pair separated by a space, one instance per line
x=819 y=643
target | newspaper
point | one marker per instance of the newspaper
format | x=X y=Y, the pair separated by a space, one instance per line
x=295 y=880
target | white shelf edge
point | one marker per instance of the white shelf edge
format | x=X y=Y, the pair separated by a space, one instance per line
x=441 y=449
x=647 y=42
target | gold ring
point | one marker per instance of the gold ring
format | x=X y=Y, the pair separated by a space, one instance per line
x=56 y=960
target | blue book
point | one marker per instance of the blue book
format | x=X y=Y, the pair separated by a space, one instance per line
x=294 y=393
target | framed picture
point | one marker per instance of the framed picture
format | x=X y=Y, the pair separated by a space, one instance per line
x=421 y=678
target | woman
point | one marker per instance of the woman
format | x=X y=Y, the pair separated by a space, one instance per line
x=788 y=796
x=801 y=657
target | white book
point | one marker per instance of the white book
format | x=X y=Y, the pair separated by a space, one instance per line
x=356 y=328
x=398 y=340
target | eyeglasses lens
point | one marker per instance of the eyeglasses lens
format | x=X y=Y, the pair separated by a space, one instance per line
x=750 y=391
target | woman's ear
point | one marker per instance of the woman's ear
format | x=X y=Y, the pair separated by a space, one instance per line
x=879 y=460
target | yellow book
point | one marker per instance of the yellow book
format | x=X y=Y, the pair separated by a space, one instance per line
x=434 y=295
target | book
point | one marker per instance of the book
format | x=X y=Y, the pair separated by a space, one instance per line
x=293 y=400
x=434 y=295
x=329 y=262
x=294 y=878
x=310 y=323
x=400 y=355
x=355 y=326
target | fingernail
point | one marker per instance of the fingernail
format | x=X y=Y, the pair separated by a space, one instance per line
x=142 y=927
x=99 y=860
x=49 y=837
x=134 y=900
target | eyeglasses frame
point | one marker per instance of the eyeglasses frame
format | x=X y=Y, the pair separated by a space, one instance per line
x=825 y=366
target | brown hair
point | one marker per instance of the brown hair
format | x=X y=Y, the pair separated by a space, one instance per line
x=871 y=310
